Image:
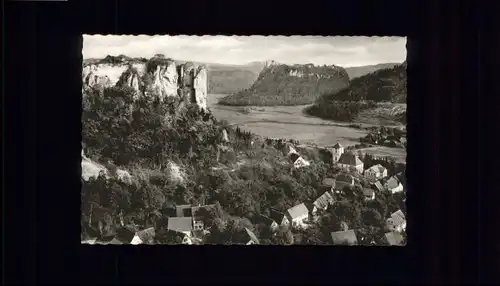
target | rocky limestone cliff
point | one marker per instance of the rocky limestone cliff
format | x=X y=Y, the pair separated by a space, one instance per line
x=159 y=76
x=280 y=84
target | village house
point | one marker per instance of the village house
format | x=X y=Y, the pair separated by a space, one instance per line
x=145 y=236
x=183 y=210
x=394 y=185
x=298 y=161
x=397 y=221
x=328 y=184
x=376 y=172
x=269 y=222
x=349 y=161
x=337 y=151
x=343 y=180
x=347 y=237
x=180 y=224
x=198 y=213
x=279 y=217
x=368 y=194
x=394 y=238
x=298 y=215
x=291 y=150
x=323 y=202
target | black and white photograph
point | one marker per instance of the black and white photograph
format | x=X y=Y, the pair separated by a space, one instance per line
x=244 y=140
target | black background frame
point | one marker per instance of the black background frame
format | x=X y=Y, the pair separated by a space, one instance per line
x=42 y=107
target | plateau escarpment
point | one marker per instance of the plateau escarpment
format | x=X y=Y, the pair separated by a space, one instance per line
x=159 y=77
x=280 y=84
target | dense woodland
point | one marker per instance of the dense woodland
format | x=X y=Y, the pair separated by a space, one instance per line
x=385 y=85
x=275 y=86
x=170 y=150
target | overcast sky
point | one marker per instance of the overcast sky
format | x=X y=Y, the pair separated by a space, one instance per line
x=343 y=51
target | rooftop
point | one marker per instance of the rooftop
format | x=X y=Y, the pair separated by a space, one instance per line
x=181 y=224
x=392 y=183
x=324 y=200
x=394 y=238
x=344 y=178
x=378 y=186
x=344 y=237
x=398 y=218
x=146 y=235
x=328 y=182
x=252 y=236
x=350 y=159
x=183 y=210
x=276 y=215
x=377 y=168
x=368 y=192
x=298 y=211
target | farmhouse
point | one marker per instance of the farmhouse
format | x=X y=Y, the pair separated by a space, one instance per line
x=397 y=221
x=348 y=161
x=376 y=172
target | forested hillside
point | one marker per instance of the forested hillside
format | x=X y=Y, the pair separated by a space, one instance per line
x=364 y=93
x=176 y=155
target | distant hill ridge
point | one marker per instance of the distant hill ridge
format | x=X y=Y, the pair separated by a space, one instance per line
x=281 y=84
x=355 y=72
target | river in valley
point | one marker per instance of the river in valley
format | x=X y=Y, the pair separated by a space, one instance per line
x=291 y=123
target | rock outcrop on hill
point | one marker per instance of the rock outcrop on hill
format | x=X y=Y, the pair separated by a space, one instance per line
x=280 y=84
x=158 y=76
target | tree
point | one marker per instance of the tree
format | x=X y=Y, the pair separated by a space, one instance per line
x=372 y=217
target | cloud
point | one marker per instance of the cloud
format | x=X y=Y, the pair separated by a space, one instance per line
x=346 y=51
